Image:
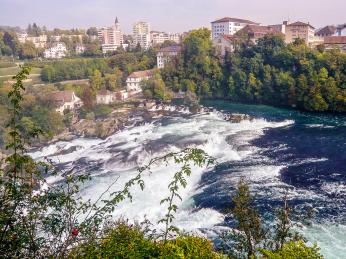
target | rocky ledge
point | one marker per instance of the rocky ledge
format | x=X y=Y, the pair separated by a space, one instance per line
x=133 y=115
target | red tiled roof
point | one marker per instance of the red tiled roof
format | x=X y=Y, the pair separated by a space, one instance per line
x=335 y=40
x=62 y=96
x=257 y=29
x=104 y=92
x=140 y=74
x=228 y=37
x=300 y=24
x=230 y=19
x=328 y=30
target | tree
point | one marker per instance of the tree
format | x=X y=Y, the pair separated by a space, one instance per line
x=92 y=31
x=28 y=51
x=36 y=30
x=88 y=98
x=156 y=88
x=10 y=39
x=96 y=80
x=112 y=81
x=248 y=220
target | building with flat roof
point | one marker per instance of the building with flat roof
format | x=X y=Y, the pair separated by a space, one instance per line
x=141 y=34
x=228 y=26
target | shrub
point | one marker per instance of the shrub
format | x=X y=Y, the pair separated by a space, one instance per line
x=188 y=247
x=132 y=241
x=101 y=111
x=293 y=250
x=119 y=241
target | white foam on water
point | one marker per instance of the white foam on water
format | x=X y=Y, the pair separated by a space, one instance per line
x=330 y=238
x=319 y=126
x=121 y=153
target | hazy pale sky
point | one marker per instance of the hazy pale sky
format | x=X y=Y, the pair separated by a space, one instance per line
x=166 y=15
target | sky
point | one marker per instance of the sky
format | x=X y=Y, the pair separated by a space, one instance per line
x=167 y=15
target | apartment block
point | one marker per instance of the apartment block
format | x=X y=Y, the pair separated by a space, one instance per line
x=228 y=26
x=111 y=38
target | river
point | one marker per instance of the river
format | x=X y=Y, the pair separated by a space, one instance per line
x=280 y=152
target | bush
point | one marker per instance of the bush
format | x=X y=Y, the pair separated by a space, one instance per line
x=188 y=247
x=131 y=241
x=101 y=111
x=293 y=250
x=120 y=241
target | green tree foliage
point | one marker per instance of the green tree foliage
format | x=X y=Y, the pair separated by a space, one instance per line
x=155 y=88
x=290 y=75
x=96 y=80
x=268 y=72
x=120 y=64
x=249 y=232
x=293 y=250
x=10 y=42
x=34 y=30
x=92 y=31
x=198 y=64
x=122 y=240
x=73 y=69
x=28 y=51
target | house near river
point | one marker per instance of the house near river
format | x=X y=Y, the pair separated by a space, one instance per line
x=65 y=100
x=107 y=97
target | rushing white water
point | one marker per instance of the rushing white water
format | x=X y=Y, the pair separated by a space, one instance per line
x=119 y=155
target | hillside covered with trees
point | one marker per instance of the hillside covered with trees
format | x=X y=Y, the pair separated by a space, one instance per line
x=269 y=72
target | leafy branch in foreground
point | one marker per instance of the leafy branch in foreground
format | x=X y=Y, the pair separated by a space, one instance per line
x=198 y=158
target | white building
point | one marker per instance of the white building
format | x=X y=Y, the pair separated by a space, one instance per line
x=341 y=30
x=228 y=26
x=158 y=37
x=133 y=82
x=141 y=34
x=111 y=38
x=105 y=97
x=108 y=97
x=167 y=54
x=176 y=37
x=66 y=100
x=22 y=37
x=39 y=42
x=58 y=50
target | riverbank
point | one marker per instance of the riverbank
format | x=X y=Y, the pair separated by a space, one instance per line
x=130 y=114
